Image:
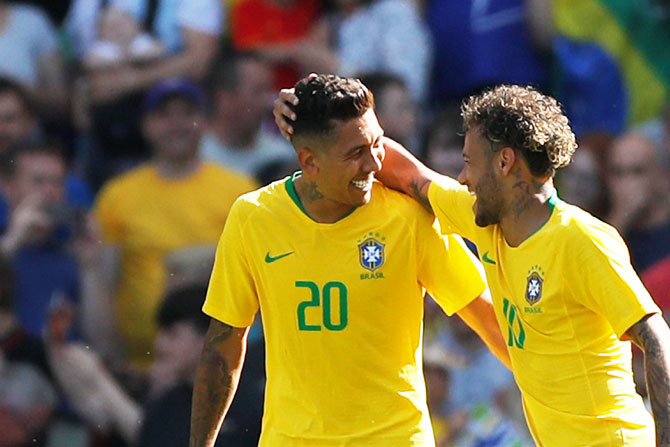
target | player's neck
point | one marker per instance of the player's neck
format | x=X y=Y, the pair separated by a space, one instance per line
x=526 y=213
x=318 y=207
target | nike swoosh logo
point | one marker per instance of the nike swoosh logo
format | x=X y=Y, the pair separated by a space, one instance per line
x=488 y=260
x=270 y=259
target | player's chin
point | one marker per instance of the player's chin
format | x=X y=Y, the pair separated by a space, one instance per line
x=364 y=197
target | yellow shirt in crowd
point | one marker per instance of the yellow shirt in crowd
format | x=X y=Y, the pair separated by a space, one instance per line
x=341 y=306
x=148 y=217
x=563 y=299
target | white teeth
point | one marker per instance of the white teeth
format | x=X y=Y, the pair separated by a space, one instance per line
x=361 y=184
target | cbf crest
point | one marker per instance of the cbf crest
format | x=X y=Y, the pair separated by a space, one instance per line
x=534 y=285
x=371 y=252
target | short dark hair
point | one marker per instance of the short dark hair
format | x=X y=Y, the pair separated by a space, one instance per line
x=9 y=159
x=8 y=85
x=326 y=99
x=7 y=284
x=184 y=305
x=525 y=120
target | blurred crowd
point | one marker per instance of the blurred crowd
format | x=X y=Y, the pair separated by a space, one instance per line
x=129 y=127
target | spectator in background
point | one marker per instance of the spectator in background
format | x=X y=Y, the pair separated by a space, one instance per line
x=182 y=334
x=16 y=344
x=387 y=36
x=286 y=33
x=394 y=107
x=174 y=201
x=443 y=142
x=40 y=226
x=27 y=402
x=108 y=98
x=101 y=401
x=20 y=125
x=637 y=182
x=17 y=118
x=31 y=56
x=481 y=44
x=473 y=425
x=241 y=91
x=355 y=38
x=27 y=397
x=579 y=183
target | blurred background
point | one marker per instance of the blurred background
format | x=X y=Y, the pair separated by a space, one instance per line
x=129 y=127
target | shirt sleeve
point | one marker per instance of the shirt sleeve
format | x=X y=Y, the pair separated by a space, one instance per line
x=612 y=288
x=232 y=297
x=205 y=16
x=447 y=269
x=452 y=204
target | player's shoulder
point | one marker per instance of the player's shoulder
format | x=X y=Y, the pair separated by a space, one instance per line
x=261 y=202
x=581 y=228
x=395 y=204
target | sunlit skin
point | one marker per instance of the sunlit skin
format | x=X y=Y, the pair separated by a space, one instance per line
x=338 y=170
x=506 y=192
x=480 y=178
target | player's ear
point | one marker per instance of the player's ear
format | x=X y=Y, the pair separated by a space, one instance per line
x=308 y=160
x=506 y=159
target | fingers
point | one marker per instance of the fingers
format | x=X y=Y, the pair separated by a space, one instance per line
x=282 y=110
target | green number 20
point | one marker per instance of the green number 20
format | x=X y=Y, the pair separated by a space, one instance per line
x=316 y=302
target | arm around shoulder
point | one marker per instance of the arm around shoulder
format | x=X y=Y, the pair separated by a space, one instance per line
x=402 y=171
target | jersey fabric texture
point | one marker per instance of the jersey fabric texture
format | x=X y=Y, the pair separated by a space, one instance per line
x=148 y=217
x=341 y=306
x=563 y=299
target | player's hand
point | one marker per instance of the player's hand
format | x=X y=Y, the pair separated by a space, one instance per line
x=282 y=110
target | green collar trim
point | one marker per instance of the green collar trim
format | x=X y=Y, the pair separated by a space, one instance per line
x=290 y=189
x=552 y=201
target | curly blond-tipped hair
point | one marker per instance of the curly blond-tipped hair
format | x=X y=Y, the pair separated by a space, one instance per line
x=525 y=120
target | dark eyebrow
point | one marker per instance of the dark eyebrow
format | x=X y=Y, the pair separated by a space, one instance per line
x=363 y=146
x=355 y=149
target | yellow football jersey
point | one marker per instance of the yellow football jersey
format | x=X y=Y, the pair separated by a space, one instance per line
x=148 y=217
x=563 y=299
x=341 y=306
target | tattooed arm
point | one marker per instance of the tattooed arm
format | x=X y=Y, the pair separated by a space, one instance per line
x=652 y=335
x=216 y=381
x=403 y=172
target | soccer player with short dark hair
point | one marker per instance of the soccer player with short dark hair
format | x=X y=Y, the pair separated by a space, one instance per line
x=337 y=264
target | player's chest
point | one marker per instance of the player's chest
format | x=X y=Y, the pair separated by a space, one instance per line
x=529 y=292
x=366 y=253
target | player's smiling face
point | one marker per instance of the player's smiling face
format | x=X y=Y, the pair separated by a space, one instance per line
x=480 y=178
x=349 y=159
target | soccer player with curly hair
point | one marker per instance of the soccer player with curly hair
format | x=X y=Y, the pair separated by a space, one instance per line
x=565 y=294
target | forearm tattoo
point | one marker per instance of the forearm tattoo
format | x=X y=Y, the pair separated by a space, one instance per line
x=213 y=388
x=419 y=192
x=652 y=335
